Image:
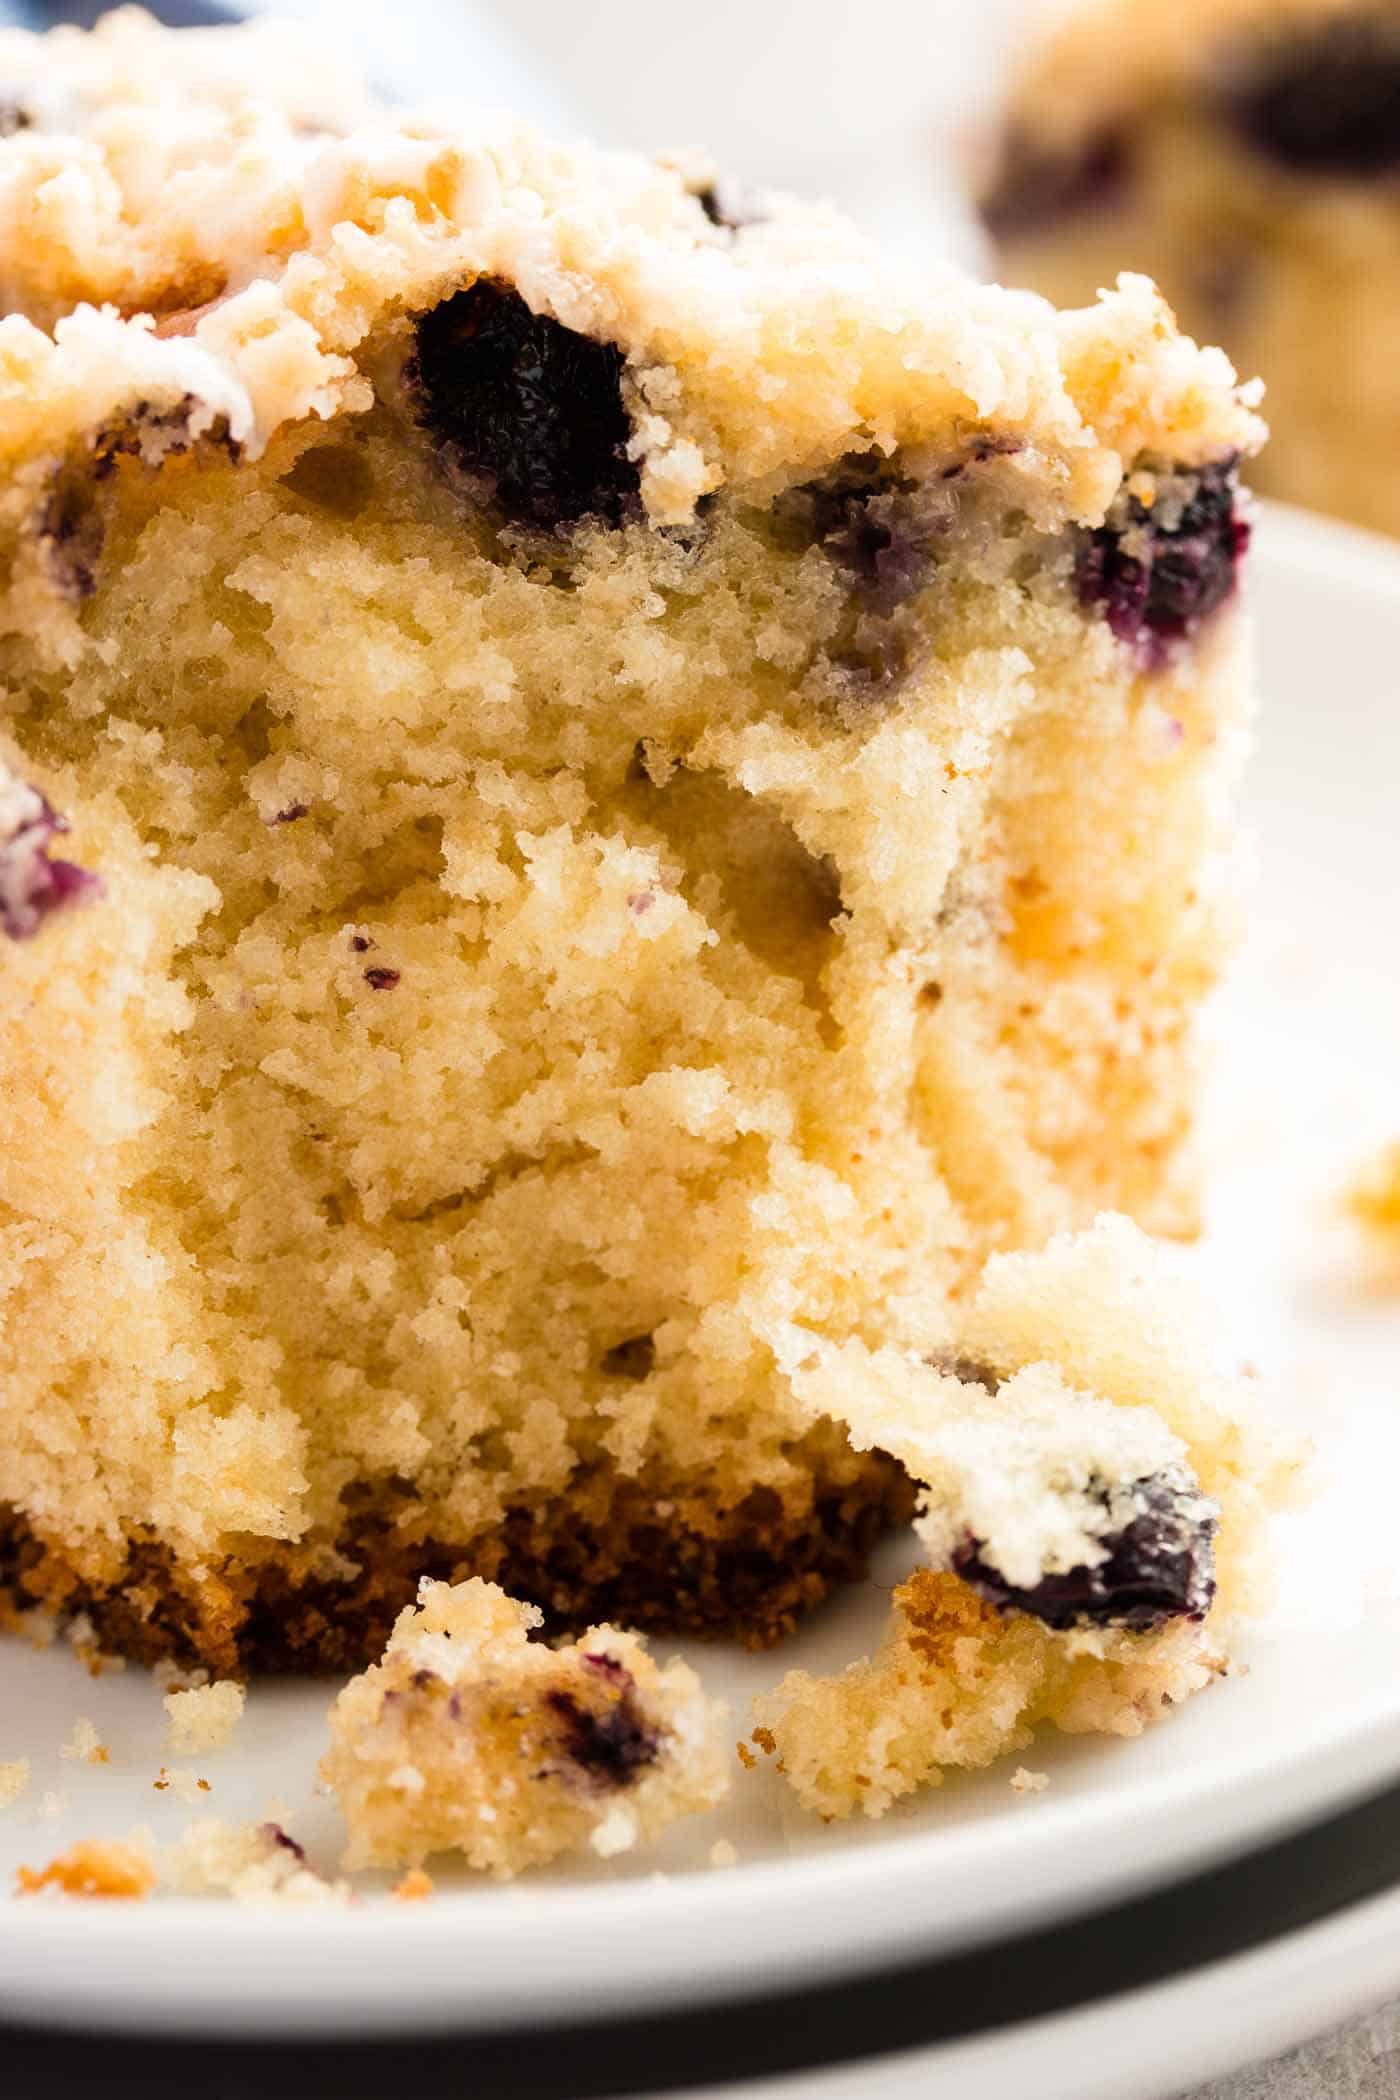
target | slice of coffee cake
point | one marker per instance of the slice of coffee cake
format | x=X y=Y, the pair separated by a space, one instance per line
x=586 y=786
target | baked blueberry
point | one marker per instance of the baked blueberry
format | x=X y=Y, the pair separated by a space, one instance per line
x=1160 y=1565
x=32 y=886
x=526 y=411
x=608 y=1746
x=1156 y=571
x=872 y=521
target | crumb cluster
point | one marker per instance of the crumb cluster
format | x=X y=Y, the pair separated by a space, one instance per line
x=202 y=1717
x=471 y=1737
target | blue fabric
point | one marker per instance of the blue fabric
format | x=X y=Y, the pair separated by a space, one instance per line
x=43 y=14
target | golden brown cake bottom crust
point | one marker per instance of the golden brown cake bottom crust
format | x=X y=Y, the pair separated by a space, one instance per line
x=604 y=1552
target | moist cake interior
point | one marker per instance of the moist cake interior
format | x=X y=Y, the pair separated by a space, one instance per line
x=594 y=873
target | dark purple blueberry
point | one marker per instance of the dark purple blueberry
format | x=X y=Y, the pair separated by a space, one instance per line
x=881 y=529
x=1156 y=573
x=380 y=978
x=606 y=1666
x=1035 y=186
x=361 y=943
x=71 y=533
x=1324 y=100
x=293 y=813
x=32 y=887
x=1160 y=1566
x=527 y=412
x=873 y=522
x=70 y=527
x=609 y=1747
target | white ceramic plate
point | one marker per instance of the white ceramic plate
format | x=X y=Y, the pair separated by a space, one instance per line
x=1309 y=1078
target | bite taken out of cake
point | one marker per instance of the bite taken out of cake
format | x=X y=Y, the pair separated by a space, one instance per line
x=598 y=802
x=1246 y=154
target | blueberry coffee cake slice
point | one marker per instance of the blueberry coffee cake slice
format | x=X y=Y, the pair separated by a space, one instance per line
x=589 y=786
x=1095 y=1492
x=1246 y=154
x=471 y=1737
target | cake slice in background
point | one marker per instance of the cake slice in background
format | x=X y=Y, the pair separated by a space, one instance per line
x=644 y=786
x=1246 y=154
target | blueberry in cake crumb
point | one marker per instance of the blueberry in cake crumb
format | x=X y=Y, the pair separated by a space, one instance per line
x=1073 y=1511
x=470 y=1736
x=253 y=1863
x=1157 y=570
x=380 y=978
x=955 y=1685
x=872 y=521
x=524 y=409
x=70 y=525
x=879 y=527
x=610 y=1746
x=276 y=1835
x=33 y=886
x=1159 y=1566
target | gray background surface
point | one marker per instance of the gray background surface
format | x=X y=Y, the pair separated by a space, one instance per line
x=1357 y=2062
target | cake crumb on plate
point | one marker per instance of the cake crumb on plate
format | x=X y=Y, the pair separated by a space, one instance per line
x=14 y=1778
x=471 y=1737
x=202 y=1718
x=254 y=1863
x=956 y=1683
x=186 y=1785
x=93 y=1867
x=85 y=1746
x=1027 y=1782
